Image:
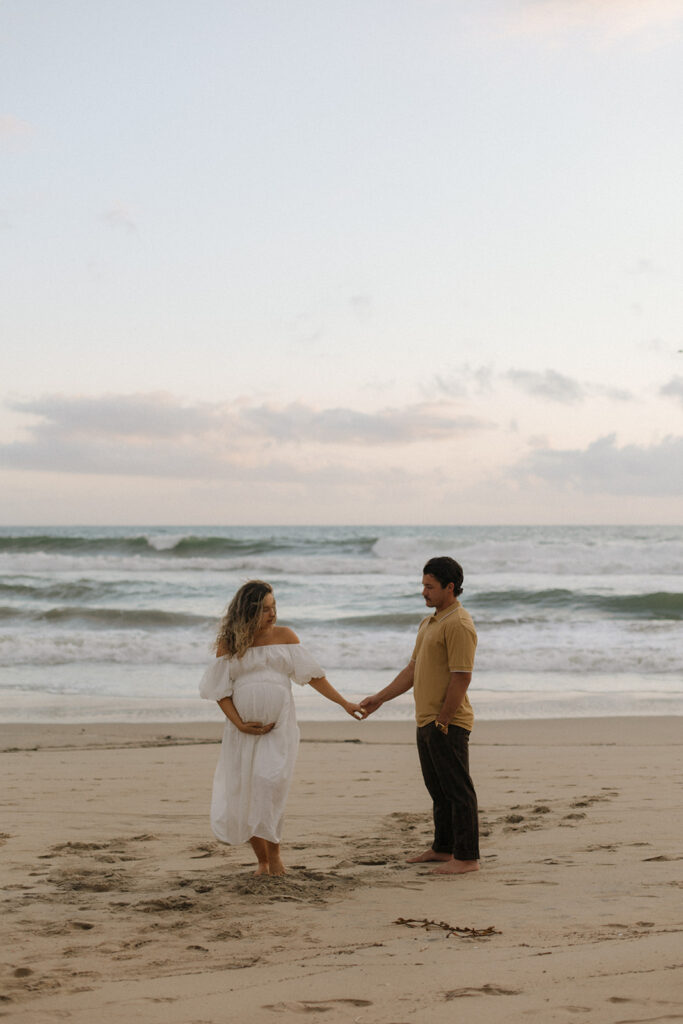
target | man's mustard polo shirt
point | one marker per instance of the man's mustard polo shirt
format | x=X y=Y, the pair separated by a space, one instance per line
x=445 y=643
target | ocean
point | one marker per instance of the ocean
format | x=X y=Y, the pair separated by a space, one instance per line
x=116 y=624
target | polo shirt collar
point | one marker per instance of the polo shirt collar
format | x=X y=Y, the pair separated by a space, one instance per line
x=438 y=616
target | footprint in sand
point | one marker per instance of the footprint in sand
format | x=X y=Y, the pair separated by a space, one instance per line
x=529 y=881
x=107 y=851
x=171 y=903
x=597 y=798
x=314 y=1005
x=204 y=850
x=89 y=881
x=485 y=990
x=79 y=847
x=301 y=886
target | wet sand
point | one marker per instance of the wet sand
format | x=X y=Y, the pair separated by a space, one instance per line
x=119 y=904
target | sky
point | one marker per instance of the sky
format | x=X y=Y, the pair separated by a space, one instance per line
x=362 y=261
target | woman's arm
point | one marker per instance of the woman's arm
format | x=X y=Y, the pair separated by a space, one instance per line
x=326 y=689
x=253 y=728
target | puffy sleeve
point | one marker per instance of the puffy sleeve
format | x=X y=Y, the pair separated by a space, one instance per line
x=304 y=666
x=216 y=682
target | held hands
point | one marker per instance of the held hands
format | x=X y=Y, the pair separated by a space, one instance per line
x=355 y=710
x=256 y=728
x=369 y=704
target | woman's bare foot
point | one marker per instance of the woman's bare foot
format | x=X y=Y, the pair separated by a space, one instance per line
x=260 y=848
x=457 y=867
x=429 y=854
x=268 y=857
x=275 y=865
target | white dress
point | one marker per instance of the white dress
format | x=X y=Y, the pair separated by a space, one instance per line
x=254 y=773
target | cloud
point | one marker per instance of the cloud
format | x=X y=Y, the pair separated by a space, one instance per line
x=610 y=20
x=467 y=381
x=181 y=461
x=121 y=217
x=298 y=422
x=460 y=382
x=657 y=346
x=102 y=456
x=157 y=415
x=361 y=306
x=644 y=266
x=673 y=388
x=602 y=467
x=451 y=386
x=14 y=134
x=549 y=384
x=159 y=435
x=616 y=394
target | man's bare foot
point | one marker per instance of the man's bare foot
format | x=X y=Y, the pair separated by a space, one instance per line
x=429 y=854
x=457 y=867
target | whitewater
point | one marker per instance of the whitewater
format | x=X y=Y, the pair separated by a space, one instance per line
x=117 y=623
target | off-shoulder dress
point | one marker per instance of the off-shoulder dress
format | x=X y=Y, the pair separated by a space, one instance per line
x=254 y=773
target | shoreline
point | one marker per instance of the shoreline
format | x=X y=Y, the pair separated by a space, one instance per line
x=93 y=693
x=580 y=731
x=119 y=904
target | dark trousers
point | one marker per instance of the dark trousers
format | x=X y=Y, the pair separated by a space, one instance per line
x=446 y=771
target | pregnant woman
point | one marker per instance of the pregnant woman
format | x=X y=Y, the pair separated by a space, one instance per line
x=256 y=660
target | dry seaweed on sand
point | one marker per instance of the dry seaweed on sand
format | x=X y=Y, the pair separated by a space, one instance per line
x=452 y=929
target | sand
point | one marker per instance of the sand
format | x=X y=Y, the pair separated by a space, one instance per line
x=119 y=905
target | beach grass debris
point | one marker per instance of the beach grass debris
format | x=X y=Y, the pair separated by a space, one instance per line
x=452 y=929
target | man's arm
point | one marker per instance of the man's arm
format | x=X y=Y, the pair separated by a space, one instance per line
x=455 y=694
x=401 y=684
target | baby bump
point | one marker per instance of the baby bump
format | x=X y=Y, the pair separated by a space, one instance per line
x=261 y=701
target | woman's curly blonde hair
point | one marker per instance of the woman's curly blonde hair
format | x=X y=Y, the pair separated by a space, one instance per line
x=241 y=622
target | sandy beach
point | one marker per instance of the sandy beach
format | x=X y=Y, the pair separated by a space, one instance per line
x=119 y=904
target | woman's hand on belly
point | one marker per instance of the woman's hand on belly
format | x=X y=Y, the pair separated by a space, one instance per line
x=256 y=728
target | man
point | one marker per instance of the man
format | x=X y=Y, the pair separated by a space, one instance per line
x=440 y=671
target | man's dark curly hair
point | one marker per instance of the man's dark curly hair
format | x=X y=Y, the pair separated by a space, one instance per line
x=446 y=570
